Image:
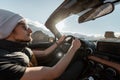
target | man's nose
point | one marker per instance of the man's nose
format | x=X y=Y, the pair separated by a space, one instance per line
x=29 y=30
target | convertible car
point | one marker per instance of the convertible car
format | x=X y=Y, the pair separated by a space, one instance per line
x=101 y=56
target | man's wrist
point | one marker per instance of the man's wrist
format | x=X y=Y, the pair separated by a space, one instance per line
x=73 y=48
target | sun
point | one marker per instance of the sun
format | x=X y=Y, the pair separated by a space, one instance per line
x=60 y=25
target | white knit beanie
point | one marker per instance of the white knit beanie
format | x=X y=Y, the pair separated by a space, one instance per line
x=8 y=21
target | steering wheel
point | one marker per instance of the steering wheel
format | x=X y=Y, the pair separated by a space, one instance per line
x=86 y=48
x=69 y=39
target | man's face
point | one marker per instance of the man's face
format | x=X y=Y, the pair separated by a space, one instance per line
x=21 y=33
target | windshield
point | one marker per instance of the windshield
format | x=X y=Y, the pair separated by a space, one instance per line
x=92 y=29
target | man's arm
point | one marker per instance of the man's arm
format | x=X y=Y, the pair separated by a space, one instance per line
x=50 y=73
x=49 y=50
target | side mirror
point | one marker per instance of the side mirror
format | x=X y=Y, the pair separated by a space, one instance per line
x=96 y=12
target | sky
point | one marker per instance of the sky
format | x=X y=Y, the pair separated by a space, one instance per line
x=39 y=10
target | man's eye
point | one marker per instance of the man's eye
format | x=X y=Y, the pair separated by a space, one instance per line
x=25 y=27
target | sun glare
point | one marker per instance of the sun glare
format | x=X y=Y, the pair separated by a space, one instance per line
x=60 y=26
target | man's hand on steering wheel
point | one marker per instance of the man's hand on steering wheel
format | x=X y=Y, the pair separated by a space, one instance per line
x=76 y=43
x=61 y=40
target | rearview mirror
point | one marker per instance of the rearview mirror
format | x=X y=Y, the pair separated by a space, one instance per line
x=96 y=12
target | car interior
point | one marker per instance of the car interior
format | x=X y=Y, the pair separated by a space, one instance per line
x=102 y=57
